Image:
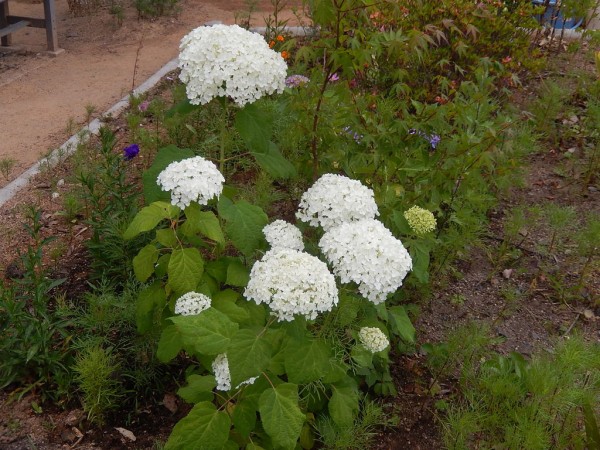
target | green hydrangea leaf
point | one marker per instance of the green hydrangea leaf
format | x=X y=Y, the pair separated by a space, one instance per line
x=149 y=217
x=237 y=274
x=166 y=237
x=244 y=224
x=185 y=269
x=170 y=344
x=255 y=126
x=343 y=404
x=144 y=261
x=273 y=162
x=306 y=360
x=362 y=356
x=244 y=417
x=204 y=222
x=249 y=354
x=149 y=299
x=225 y=300
x=401 y=324
x=199 y=389
x=209 y=332
x=204 y=428
x=280 y=414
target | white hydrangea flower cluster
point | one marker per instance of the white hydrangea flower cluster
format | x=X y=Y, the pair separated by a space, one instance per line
x=292 y=282
x=191 y=304
x=336 y=199
x=368 y=254
x=281 y=234
x=373 y=339
x=229 y=61
x=191 y=180
x=220 y=367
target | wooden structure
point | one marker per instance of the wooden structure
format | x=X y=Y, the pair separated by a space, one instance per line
x=9 y=24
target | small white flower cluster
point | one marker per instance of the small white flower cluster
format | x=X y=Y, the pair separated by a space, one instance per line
x=420 y=220
x=191 y=180
x=281 y=234
x=191 y=304
x=292 y=282
x=373 y=339
x=368 y=254
x=220 y=367
x=336 y=199
x=229 y=61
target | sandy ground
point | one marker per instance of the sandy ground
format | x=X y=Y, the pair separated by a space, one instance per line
x=45 y=99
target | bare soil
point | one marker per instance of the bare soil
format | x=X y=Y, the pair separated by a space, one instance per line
x=45 y=99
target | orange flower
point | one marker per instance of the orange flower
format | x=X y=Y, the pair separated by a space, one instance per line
x=271 y=44
x=285 y=55
x=280 y=38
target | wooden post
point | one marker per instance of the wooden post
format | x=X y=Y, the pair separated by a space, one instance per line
x=51 y=35
x=5 y=41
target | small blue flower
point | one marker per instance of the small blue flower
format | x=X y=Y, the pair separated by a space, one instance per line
x=434 y=139
x=131 y=151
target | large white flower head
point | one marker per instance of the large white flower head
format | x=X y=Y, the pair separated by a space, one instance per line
x=281 y=234
x=191 y=180
x=191 y=304
x=292 y=282
x=368 y=254
x=229 y=61
x=336 y=199
x=373 y=339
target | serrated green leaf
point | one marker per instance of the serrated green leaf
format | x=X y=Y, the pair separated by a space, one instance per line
x=249 y=354
x=244 y=224
x=209 y=332
x=224 y=301
x=162 y=265
x=204 y=428
x=149 y=217
x=401 y=324
x=237 y=274
x=148 y=300
x=166 y=237
x=198 y=389
x=218 y=269
x=204 y=222
x=306 y=360
x=273 y=162
x=164 y=157
x=362 y=356
x=255 y=126
x=337 y=371
x=343 y=404
x=185 y=269
x=244 y=418
x=420 y=258
x=280 y=414
x=144 y=261
x=170 y=344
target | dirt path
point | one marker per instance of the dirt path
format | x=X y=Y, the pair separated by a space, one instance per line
x=44 y=99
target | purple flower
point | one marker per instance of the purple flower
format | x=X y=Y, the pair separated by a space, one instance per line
x=143 y=107
x=296 y=80
x=334 y=77
x=434 y=139
x=131 y=151
x=357 y=137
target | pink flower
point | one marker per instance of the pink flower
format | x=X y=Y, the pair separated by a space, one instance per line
x=143 y=107
x=334 y=77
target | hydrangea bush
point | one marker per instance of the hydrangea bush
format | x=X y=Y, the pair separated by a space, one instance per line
x=265 y=325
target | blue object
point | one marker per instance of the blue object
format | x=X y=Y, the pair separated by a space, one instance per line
x=553 y=19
